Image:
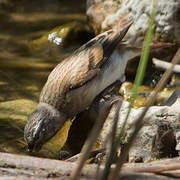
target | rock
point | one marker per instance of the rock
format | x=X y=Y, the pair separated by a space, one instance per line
x=141 y=99
x=144 y=92
x=178 y=142
x=61 y=37
x=157 y=138
x=104 y=15
x=13 y=117
x=98 y=12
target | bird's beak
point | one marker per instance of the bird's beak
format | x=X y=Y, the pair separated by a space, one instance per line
x=34 y=147
x=30 y=148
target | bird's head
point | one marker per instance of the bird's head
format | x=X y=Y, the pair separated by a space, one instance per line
x=43 y=123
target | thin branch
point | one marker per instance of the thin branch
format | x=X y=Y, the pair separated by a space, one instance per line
x=165 y=65
x=158 y=168
x=91 y=155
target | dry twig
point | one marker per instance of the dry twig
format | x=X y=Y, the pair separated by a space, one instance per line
x=165 y=65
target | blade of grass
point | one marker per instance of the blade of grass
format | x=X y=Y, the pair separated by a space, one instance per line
x=142 y=64
x=138 y=82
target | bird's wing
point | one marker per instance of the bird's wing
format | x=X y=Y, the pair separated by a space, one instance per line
x=86 y=66
x=87 y=61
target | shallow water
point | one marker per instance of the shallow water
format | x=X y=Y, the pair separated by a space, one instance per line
x=22 y=72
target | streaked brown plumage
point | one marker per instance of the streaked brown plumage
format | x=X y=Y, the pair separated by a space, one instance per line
x=74 y=83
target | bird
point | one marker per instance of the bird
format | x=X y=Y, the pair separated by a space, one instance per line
x=74 y=83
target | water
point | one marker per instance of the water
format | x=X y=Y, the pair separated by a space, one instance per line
x=23 y=72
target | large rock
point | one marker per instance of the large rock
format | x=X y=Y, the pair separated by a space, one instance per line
x=159 y=136
x=13 y=117
x=104 y=15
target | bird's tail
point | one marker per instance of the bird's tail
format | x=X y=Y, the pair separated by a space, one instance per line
x=109 y=39
x=113 y=37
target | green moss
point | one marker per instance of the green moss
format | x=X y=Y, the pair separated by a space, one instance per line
x=13 y=117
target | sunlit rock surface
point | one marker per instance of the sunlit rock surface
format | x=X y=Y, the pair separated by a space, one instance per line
x=145 y=91
x=13 y=117
x=61 y=37
x=159 y=136
x=167 y=17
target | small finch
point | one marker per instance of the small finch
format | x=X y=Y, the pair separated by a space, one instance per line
x=74 y=83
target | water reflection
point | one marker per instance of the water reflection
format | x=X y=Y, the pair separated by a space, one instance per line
x=23 y=73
